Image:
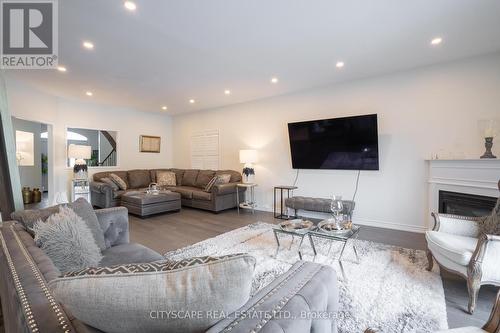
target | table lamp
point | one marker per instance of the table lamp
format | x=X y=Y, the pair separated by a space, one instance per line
x=248 y=157
x=80 y=154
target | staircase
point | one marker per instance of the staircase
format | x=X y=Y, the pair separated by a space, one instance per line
x=109 y=160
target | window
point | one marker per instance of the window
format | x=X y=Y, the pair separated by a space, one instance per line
x=205 y=150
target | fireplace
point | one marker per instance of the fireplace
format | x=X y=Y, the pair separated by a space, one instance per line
x=465 y=204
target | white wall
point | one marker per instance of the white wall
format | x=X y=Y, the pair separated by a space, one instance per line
x=30 y=104
x=423 y=111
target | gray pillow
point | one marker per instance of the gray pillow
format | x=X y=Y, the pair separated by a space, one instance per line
x=111 y=183
x=490 y=225
x=67 y=241
x=81 y=207
x=132 y=298
x=118 y=181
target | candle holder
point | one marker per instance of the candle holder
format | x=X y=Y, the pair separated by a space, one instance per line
x=488 y=144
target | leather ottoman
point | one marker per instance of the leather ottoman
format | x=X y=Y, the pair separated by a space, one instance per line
x=145 y=204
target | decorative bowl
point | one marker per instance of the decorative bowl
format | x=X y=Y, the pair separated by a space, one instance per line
x=296 y=225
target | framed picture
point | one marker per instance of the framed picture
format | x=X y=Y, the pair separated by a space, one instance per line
x=149 y=144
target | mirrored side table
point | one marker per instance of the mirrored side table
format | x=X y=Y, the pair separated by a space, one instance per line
x=249 y=203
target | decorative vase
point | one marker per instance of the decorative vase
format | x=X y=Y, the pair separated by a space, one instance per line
x=488 y=144
x=27 y=195
x=37 y=195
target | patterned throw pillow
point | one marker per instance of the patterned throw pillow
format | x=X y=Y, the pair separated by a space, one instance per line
x=165 y=178
x=137 y=292
x=118 y=181
x=157 y=266
x=490 y=225
x=111 y=183
x=219 y=179
x=67 y=241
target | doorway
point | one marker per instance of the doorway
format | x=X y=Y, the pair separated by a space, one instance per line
x=32 y=156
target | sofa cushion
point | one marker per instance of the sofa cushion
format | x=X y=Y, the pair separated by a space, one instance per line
x=204 y=177
x=119 y=181
x=179 y=174
x=99 y=175
x=81 y=207
x=458 y=249
x=67 y=241
x=132 y=298
x=166 y=178
x=128 y=254
x=189 y=178
x=139 y=178
x=202 y=195
x=186 y=192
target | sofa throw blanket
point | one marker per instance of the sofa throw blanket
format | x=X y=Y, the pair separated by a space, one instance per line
x=67 y=241
x=490 y=225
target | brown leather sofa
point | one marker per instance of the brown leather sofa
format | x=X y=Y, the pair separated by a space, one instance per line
x=190 y=185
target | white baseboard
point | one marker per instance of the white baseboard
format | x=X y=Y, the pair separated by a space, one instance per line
x=360 y=221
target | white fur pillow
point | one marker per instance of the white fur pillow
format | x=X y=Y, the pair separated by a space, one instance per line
x=67 y=241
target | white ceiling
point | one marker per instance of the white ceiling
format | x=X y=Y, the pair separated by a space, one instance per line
x=167 y=52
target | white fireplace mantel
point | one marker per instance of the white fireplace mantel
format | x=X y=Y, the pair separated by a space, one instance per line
x=479 y=177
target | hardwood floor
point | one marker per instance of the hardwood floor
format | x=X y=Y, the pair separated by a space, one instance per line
x=168 y=232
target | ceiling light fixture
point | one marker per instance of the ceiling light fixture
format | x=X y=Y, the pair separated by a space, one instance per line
x=88 y=45
x=89 y=93
x=129 y=5
x=339 y=64
x=192 y=101
x=227 y=92
x=61 y=69
x=436 y=41
x=274 y=80
x=164 y=107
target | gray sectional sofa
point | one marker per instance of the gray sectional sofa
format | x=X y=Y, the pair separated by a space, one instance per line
x=190 y=185
x=29 y=306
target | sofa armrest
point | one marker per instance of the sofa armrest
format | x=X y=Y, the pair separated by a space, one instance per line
x=114 y=223
x=485 y=258
x=222 y=189
x=100 y=187
x=305 y=297
x=455 y=224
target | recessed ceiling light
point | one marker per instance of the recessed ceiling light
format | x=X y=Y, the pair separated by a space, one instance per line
x=88 y=45
x=436 y=41
x=339 y=64
x=129 y=5
x=164 y=107
x=89 y=93
x=227 y=92
x=61 y=69
x=192 y=101
x=274 y=80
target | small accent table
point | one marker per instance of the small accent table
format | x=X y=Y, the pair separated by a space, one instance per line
x=279 y=189
x=247 y=204
x=80 y=188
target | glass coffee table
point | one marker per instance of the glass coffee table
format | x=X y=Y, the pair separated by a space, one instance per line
x=315 y=233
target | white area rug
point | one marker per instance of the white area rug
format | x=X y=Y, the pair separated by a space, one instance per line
x=389 y=290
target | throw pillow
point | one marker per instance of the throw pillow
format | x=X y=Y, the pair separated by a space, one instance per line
x=118 y=181
x=81 y=207
x=111 y=183
x=165 y=178
x=225 y=178
x=490 y=225
x=141 y=295
x=67 y=241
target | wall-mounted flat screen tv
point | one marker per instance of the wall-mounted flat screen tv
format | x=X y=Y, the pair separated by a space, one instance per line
x=349 y=143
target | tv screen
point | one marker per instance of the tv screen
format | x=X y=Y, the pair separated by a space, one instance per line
x=349 y=143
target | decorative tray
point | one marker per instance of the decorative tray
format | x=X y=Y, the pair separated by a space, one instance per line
x=332 y=228
x=296 y=225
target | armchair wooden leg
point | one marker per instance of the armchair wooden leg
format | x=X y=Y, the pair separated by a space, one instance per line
x=473 y=285
x=430 y=260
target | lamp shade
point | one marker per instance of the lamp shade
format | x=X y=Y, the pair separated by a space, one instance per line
x=248 y=156
x=79 y=152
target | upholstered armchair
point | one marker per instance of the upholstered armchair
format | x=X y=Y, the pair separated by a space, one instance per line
x=457 y=246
